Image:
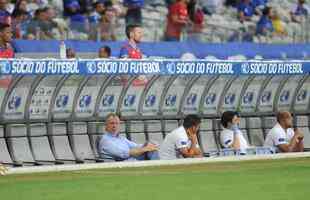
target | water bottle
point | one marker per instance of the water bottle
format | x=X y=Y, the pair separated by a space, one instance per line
x=62 y=50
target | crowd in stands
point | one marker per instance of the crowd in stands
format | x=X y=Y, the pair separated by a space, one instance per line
x=103 y=19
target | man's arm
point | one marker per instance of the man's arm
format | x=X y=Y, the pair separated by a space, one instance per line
x=194 y=151
x=139 y=151
x=295 y=144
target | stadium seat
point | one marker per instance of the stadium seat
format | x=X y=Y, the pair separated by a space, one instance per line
x=60 y=141
x=207 y=137
x=19 y=144
x=169 y=125
x=243 y=129
x=81 y=142
x=268 y=123
x=136 y=131
x=254 y=125
x=40 y=143
x=154 y=131
x=4 y=152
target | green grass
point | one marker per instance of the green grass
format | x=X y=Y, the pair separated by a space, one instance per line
x=248 y=180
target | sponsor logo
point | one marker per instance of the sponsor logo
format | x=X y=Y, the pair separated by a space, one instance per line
x=150 y=101
x=230 y=98
x=171 y=100
x=129 y=100
x=62 y=101
x=191 y=99
x=14 y=102
x=266 y=97
x=284 y=96
x=107 y=100
x=85 y=101
x=248 y=98
x=210 y=98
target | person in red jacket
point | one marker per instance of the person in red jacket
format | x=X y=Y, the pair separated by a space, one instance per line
x=6 y=50
x=177 y=19
x=130 y=49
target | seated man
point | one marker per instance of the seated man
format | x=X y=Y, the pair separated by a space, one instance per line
x=182 y=142
x=283 y=137
x=120 y=148
x=231 y=136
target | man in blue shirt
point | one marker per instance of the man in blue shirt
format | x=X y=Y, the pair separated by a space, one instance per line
x=246 y=10
x=264 y=25
x=120 y=148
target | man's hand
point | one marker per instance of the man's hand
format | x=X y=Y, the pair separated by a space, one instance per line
x=298 y=135
x=150 y=147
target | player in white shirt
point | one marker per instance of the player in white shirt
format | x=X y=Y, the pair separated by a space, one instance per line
x=231 y=136
x=182 y=142
x=283 y=137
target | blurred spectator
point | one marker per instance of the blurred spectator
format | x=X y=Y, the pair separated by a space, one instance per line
x=107 y=26
x=19 y=24
x=33 y=5
x=196 y=17
x=95 y=16
x=278 y=24
x=259 y=5
x=6 y=50
x=104 y=52
x=5 y=16
x=134 y=13
x=299 y=11
x=210 y=7
x=43 y=26
x=70 y=53
x=232 y=3
x=78 y=21
x=245 y=10
x=264 y=25
x=177 y=20
x=130 y=49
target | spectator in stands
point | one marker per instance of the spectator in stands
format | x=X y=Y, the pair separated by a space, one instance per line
x=246 y=10
x=259 y=5
x=134 y=11
x=70 y=53
x=104 y=52
x=283 y=137
x=43 y=26
x=231 y=136
x=6 y=50
x=95 y=16
x=108 y=25
x=130 y=49
x=264 y=25
x=78 y=21
x=299 y=11
x=118 y=147
x=210 y=7
x=278 y=24
x=177 y=19
x=19 y=24
x=182 y=142
x=5 y=16
x=196 y=17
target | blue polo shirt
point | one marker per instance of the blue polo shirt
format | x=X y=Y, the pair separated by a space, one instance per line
x=264 y=23
x=247 y=9
x=116 y=145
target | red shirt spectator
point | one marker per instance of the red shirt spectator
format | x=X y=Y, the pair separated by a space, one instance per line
x=177 y=19
x=6 y=51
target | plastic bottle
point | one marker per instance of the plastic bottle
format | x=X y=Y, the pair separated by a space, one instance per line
x=62 y=50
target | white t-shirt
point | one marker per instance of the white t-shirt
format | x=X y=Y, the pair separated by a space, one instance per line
x=174 y=141
x=277 y=135
x=227 y=139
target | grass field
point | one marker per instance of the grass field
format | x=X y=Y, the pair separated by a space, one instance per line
x=248 y=180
